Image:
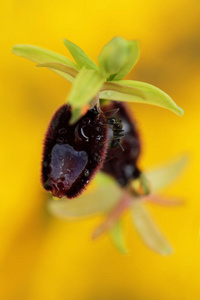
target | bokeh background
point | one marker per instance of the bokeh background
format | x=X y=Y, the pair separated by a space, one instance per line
x=45 y=258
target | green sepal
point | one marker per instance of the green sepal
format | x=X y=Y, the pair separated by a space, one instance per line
x=117 y=237
x=40 y=56
x=118 y=57
x=60 y=67
x=118 y=87
x=161 y=176
x=80 y=57
x=151 y=95
x=148 y=230
x=86 y=85
x=95 y=201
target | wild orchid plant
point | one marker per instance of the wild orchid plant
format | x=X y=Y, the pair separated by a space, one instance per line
x=93 y=135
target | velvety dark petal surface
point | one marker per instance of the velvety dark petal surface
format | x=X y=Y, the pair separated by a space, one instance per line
x=120 y=164
x=73 y=153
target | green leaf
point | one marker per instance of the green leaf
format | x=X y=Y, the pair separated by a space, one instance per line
x=100 y=199
x=41 y=56
x=151 y=95
x=85 y=87
x=80 y=57
x=117 y=237
x=163 y=175
x=131 y=61
x=118 y=57
x=147 y=230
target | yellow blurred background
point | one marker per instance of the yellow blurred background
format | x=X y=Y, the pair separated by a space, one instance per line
x=45 y=258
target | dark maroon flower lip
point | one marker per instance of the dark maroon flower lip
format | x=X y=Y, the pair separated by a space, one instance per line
x=73 y=153
x=121 y=162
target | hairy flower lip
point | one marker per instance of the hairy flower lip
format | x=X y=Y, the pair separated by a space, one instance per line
x=122 y=165
x=73 y=153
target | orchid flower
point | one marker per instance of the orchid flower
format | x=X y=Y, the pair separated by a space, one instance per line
x=81 y=137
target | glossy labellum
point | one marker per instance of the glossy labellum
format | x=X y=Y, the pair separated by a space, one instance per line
x=121 y=161
x=73 y=153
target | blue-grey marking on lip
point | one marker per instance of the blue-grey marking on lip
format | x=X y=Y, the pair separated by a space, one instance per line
x=67 y=164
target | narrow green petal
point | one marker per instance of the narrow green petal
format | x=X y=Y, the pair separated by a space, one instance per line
x=117 y=237
x=131 y=61
x=76 y=115
x=165 y=174
x=147 y=230
x=152 y=95
x=86 y=85
x=41 y=56
x=80 y=57
x=98 y=200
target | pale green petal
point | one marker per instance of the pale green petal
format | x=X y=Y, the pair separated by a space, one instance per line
x=165 y=174
x=101 y=199
x=151 y=95
x=86 y=85
x=41 y=55
x=80 y=57
x=117 y=237
x=131 y=61
x=147 y=230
